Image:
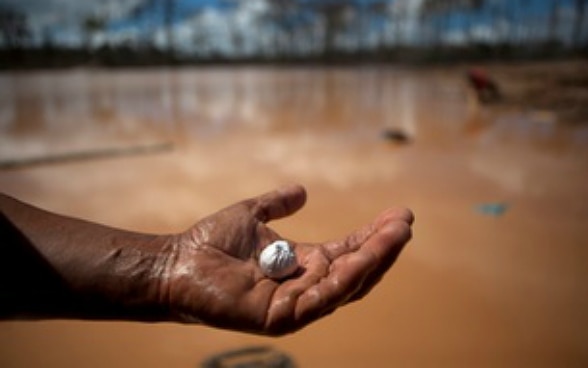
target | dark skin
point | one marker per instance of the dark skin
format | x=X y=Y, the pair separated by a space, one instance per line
x=207 y=274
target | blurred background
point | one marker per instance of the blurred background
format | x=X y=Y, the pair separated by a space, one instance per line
x=150 y=114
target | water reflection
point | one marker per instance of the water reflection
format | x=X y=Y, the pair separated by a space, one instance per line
x=322 y=127
x=211 y=100
x=521 y=151
x=47 y=111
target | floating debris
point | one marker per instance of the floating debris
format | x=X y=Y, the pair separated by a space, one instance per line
x=395 y=135
x=492 y=209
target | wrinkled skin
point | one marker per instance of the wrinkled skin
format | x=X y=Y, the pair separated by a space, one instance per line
x=207 y=274
x=213 y=276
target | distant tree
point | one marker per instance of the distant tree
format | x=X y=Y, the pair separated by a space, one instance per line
x=280 y=18
x=14 y=28
x=47 y=41
x=336 y=19
x=432 y=10
x=91 y=25
x=580 y=15
x=432 y=14
x=377 y=12
x=169 y=7
x=553 y=21
x=398 y=17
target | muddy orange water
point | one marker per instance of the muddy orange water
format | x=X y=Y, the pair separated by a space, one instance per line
x=497 y=273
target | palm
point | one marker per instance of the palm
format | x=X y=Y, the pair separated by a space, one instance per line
x=216 y=280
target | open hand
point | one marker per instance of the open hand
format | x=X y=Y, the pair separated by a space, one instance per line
x=213 y=275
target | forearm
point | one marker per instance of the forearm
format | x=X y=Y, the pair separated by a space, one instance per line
x=59 y=267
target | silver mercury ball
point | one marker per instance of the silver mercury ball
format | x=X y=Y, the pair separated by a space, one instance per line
x=278 y=260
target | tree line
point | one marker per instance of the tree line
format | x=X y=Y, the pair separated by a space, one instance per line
x=308 y=30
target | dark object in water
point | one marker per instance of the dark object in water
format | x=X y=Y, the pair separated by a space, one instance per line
x=486 y=88
x=250 y=357
x=395 y=135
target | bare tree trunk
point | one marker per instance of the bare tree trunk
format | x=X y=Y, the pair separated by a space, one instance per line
x=553 y=21
x=580 y=7
x=168 y=19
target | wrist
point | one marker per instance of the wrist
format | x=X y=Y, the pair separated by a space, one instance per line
x=60 y=267
x=131 y=283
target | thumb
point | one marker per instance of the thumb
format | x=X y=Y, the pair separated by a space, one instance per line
x=279 y=203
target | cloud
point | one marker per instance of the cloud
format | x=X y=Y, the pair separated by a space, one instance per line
x=42 y=14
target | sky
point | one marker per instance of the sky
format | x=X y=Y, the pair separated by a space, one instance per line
x=63 y=18
x=218 y=21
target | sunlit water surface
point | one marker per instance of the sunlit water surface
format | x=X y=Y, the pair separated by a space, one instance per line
x=475 y=287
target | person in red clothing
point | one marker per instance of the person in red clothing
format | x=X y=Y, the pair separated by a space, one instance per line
x=484 y=86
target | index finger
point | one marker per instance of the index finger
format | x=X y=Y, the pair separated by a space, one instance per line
x=321 y=290
x=348 y=274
